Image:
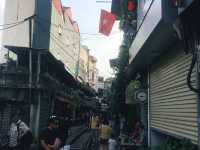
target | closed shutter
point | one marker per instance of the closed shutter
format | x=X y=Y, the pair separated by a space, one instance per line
x=173 y=106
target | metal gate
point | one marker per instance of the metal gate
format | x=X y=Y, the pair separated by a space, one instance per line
x=173 y=107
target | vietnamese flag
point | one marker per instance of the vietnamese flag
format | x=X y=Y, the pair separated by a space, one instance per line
x=107 y=20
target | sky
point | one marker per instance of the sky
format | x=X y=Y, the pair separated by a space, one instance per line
x=87 y=14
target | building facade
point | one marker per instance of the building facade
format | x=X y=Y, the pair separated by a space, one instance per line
x=167 y=64
x=83 y=70
x=40 y=61
x=52 y=29
x=93 y=71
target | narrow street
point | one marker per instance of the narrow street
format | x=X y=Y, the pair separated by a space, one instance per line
x=99 y=75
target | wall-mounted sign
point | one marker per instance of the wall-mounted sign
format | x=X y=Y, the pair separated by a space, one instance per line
x=141 y=95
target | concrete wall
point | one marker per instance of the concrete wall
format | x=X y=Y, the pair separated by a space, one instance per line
x=93 y=71
x=16 y=11
x=51 y=30
x=56 y=33
x=12 y=12
x=69 y=41
x=84 y=63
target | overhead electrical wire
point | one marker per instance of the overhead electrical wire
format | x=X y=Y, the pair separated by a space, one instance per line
x=59 y=45
x=49 y=32
x=11 y=25
x=56 y=25
x=14 y=24
x=191 y=38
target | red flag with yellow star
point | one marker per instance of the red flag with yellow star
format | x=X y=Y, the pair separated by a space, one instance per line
x=107 y=20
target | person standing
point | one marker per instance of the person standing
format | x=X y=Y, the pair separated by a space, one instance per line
x=20 y=134
x=49 y=137
x=116 y=126
x=105 y=133
x=122 y=124
x=94 y=121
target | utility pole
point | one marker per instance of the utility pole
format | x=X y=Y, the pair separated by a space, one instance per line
x=30 y=60
x=30 y=19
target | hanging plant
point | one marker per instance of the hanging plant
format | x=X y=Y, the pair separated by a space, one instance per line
x=131 y=88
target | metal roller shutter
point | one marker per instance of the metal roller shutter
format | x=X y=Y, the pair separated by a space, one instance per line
x=173 y=106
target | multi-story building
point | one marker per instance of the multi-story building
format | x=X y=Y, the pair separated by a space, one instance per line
x=93 y=71
x=164 y=52
x=99 y=87
x=83 y=69
x=41 y=54
x=52 y=29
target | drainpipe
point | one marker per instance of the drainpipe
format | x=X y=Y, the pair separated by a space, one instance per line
x=32 y=108
x=37 y=122
x=30 y=74
x=149 y=128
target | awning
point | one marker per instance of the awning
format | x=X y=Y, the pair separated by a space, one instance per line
x=58 y=66
x=23 y=50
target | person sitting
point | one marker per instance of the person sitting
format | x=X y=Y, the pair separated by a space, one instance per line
x=49 y=137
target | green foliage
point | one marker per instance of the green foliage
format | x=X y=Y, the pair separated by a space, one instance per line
x=133 y=85
x=87 y=90
x=119 y=84
x=175 y=144
x=76 y=96
x=80 y=94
